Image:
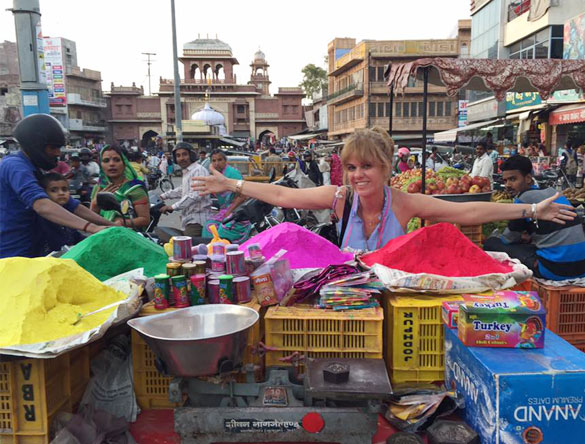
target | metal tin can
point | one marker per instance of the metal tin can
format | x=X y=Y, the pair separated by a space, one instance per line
x=182 y=246
x=200 y=267
x=226 y=289
x=197 y=289
x=189 y=269
x=174 y=268
x=235 y=263
x=161 y=291
x=242 y=289
x=218 y=248
x=255 y=251
x=213 y=291
x=252 y=264
x=231 y=247
x=180 y=291
x=218 y=263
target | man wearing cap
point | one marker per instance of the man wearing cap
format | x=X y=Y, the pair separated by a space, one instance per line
x=23 y=200
x=195 y=209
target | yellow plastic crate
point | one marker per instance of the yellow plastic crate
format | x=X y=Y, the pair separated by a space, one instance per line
x=32 y=391
x=414 y=338
x=317 y=333
x=151 y=386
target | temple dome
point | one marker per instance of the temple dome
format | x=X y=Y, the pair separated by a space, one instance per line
x=209 y=116
x=260 y=56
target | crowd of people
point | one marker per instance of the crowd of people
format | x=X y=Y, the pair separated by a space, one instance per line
x=39 y=215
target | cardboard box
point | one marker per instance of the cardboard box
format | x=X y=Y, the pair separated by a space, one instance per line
x=514 y=319
x=517 y=396
x=450 y=313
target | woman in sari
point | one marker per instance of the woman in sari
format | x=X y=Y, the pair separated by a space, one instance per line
x=118 y=177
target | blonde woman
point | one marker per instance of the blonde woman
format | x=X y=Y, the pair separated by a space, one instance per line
x=377 y=213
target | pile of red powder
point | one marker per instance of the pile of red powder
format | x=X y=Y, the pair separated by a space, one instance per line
x=305 y=249
x=440 y=249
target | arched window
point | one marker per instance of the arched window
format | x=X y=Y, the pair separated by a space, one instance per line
x=195 y=71
x=207 y=72
x=219 y=72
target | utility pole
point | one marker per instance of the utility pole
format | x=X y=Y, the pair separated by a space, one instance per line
x=149 y=62
x=31 y=58
x=178 y=109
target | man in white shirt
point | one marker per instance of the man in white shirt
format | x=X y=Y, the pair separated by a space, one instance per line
x=195 y=208
x=482 y=166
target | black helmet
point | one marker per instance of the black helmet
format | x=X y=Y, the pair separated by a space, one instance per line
x=185 y=146
x=34 y=133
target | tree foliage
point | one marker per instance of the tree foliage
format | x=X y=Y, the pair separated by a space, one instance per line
x=314 y=80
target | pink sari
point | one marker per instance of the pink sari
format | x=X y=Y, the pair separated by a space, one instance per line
x=336 y=170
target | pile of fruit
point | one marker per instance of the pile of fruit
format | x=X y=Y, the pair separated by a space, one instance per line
x=575 y=194
x=502 y=197
x=447 y=181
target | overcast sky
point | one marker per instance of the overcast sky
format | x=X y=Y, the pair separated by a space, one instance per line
x=111 y=34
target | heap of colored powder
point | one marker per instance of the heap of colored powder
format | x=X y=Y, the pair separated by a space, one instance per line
x=305 y=249
x=440 y=249
x=116 y=250
x=42 y=297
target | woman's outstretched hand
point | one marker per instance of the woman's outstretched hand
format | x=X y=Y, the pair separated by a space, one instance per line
x=558 y=213
x=212 y=184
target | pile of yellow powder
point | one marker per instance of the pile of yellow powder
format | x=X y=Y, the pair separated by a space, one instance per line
x=42 y=297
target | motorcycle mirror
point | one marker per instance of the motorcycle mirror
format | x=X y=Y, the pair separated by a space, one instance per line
x=272 y=175
x=107 y=201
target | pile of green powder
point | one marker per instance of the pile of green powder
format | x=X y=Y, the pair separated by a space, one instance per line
x=116 y=250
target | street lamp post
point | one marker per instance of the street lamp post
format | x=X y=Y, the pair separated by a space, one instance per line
x=178 y=109
x=29 y=38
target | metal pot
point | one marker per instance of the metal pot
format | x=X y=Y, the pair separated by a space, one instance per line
x=197 y=341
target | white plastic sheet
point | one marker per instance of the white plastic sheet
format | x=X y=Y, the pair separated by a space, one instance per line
x=402 y=282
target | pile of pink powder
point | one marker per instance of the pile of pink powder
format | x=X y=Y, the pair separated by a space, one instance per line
x=304 y=248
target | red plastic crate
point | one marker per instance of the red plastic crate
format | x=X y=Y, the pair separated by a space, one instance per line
x=565 y=310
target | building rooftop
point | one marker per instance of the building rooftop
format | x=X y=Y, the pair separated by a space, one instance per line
x=203 y=45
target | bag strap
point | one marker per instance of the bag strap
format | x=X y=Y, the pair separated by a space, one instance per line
x=345 y=217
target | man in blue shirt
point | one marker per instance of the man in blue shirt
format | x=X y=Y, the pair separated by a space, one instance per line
x=551 y=250
x=23 y=200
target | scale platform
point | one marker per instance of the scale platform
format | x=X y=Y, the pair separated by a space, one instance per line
x=278 y=410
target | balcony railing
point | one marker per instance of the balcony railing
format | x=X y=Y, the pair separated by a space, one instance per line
x=517 y=7
x=347 y=93
x=76 y=99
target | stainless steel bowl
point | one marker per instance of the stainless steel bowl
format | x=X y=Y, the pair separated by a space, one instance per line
x=198 y=341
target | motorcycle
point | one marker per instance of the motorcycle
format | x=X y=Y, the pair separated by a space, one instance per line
x=155 y=179
x=263 y=215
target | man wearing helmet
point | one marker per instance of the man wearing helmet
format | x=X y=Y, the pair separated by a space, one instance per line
x=23 y=200
x=195 y=209
x=92 y=167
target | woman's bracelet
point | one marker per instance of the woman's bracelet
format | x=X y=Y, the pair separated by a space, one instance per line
x=239 y=186
x=85 y=226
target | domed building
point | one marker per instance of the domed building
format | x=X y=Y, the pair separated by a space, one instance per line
x=211 y=94
x=214 y=104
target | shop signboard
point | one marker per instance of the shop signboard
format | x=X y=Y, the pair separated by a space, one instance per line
x=519 y=396
x=55 y=71
x=561 y=117
x=574 y=38
x=462 y=115
x=485 y=110
x=515 y=100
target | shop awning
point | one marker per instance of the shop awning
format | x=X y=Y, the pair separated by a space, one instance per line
x=567 y=114
x=303 y=136
x=497 y=75
x=451 y=135
x=233 y=142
